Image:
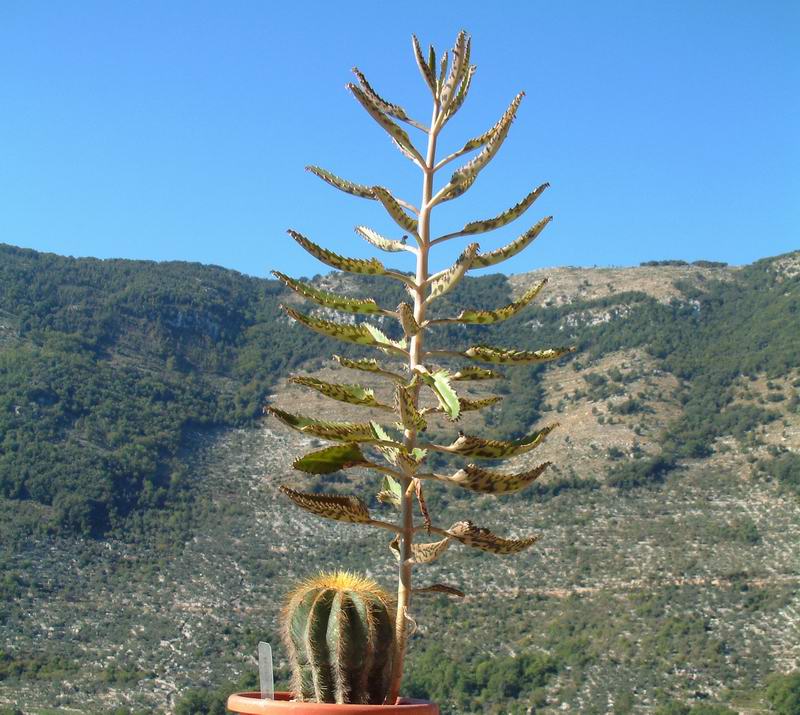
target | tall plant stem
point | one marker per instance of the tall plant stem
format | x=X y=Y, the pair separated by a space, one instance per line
x=410 y=435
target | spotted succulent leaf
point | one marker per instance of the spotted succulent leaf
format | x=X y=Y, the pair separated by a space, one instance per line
x=422 y=553
x=447 y=280
x=361 y=334
x=393 y=110
x=368 y=365
x=364 y=306
x=324 y=429
x=440 y=588
x=461 y=94
x=488 y=481
x=385 y=244
x=454 y=189
x=352 y=394
x=409 y=415
x=460 y=62
x=331 y=506
x=507 y=356
x=364 y=192
x=502 y=219
x=479 y=538
x=363 y=266
x=482 y=260
x=484 y=317
x=423 y=505
x=395 y=210
x=423 y=65
x=499 y=132
x=470 y=446
x=395 y=132
x=331 y=459
x=467 y=405
x=477 y=373
x=407 y=320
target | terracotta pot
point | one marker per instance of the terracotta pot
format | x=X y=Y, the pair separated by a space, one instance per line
x=252 y=704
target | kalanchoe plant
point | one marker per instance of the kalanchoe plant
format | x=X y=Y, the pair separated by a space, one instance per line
x=400 y=458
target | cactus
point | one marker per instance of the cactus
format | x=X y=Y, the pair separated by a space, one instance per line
x=338 y=629
x=425 y=391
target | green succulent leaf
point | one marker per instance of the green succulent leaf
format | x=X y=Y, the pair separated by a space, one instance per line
x=476 y=373
x=418 y=454
x=391 y=492
x=507 y=356
x=369 y=365
x=385 y=244
x=423 y=65
x=383 y=340
x=469 y=446
x=335 y=431
x=440 y=588
x=331 y=506
x=364 y=306
x=391 y=453
x=484 y=317
x=352 y=394
x=443 y=63
x=394 y=131
x=364 y=192
x=361 y=334
x=439 y=382
x=447 y=280
x=363 y=266
x=470 y=535
x=482 y=260
x=332 y=459
x=395 y=210
x=487 y=481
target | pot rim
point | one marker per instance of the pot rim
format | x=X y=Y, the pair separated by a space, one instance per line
x=252 y=702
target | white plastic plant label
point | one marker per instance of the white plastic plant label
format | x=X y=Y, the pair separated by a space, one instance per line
x=265 y=671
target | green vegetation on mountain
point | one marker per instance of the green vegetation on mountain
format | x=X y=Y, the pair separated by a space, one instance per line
x=111 y=361
x=112 y=372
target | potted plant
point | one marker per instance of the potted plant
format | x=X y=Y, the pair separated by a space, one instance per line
x=347 y=639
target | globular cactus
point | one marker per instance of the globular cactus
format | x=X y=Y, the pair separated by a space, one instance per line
x=338 y=629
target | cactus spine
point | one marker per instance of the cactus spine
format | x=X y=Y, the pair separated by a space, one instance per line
x=338 y=629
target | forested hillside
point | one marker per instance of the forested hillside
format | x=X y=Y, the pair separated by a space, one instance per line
x=131 y=398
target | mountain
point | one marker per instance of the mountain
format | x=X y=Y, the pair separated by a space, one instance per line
x=144 y=551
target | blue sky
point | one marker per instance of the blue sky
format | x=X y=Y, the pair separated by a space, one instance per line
x=179 y=130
